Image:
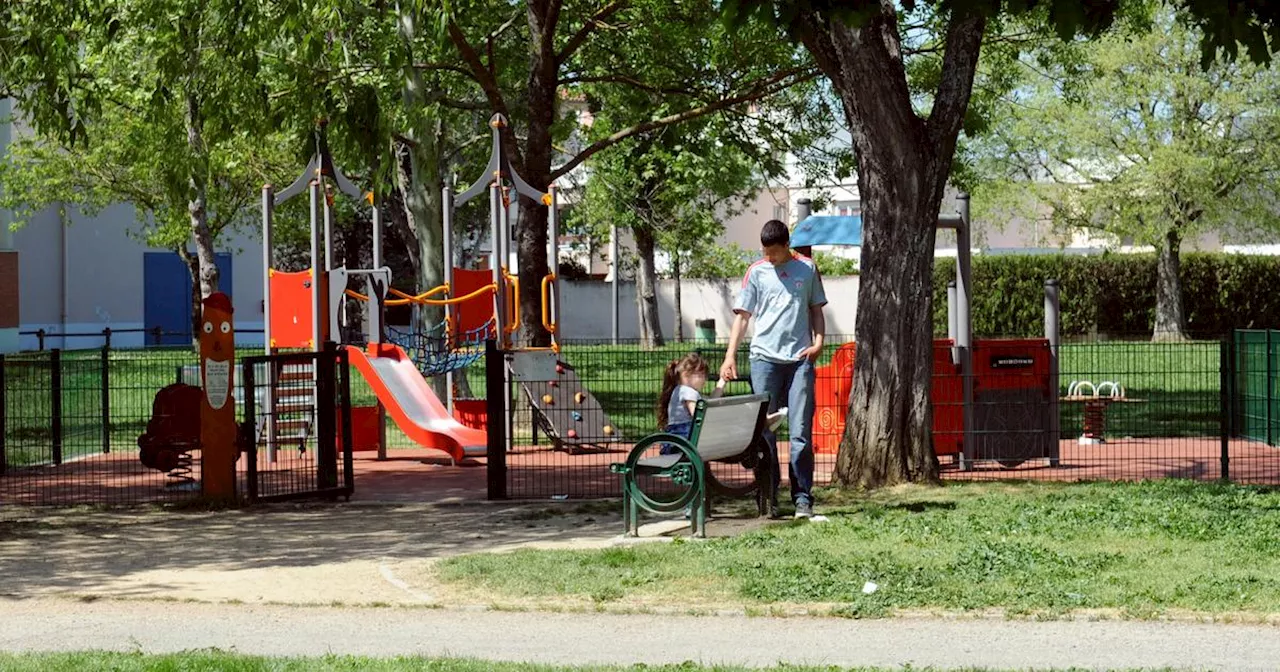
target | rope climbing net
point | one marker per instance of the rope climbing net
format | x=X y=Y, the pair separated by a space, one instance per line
x=435 y=352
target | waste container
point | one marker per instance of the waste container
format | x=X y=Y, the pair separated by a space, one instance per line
x=706 y=330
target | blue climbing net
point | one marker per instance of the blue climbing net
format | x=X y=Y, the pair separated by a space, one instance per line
x=435 y=353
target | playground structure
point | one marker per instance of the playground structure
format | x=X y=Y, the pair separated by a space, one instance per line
x=993 y=399
x=309 y=308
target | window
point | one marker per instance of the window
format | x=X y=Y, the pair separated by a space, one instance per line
x=779 y=212
x=849 y=208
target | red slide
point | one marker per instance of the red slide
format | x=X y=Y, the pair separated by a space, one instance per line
x=411 y=403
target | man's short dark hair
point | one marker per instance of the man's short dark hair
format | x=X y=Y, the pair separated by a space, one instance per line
x=774 y=233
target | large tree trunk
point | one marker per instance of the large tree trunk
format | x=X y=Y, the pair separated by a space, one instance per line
x=1170 y=319
x=418 y=176
x=647 y=287
x=903 y=164
x=193 y=267
x=531 y=235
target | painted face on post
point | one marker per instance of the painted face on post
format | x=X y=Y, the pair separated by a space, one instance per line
x=217 y=349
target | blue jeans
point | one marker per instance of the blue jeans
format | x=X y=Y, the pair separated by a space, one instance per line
x=791 y=383
x=683 y=429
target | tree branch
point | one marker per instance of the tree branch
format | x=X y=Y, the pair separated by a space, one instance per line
x=628 y=80
x=588 y=27
x=478 y=71
x=762 y=89
x=959 y=65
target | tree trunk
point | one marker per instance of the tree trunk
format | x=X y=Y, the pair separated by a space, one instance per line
x=193 y=267
x=647 y=287
x=418 y=175
x=1170 y=319
x=531 y=235
x=903 y=163
x=197 y=208
x=678 y=299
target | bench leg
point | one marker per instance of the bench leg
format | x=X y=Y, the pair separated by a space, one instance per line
x=628 y=509
x=698 y=521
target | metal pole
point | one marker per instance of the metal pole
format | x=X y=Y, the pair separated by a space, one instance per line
x=951 y=321
x=495 y=233
x=617 y=279
x=1053 y=334
x=447 y=230
x=317 y=316
x=554 y=220
x=964 y=324
x=328 y=228
x=55 y=404
x=4 y=431
x=1226 y=412
x=495 y=384
x=106 y=399
x=268 y=261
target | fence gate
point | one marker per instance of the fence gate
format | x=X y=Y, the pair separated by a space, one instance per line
x=298 y=409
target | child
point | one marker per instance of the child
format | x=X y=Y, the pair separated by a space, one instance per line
x=681 y=390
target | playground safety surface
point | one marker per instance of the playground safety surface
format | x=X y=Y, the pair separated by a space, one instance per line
x=538 y=473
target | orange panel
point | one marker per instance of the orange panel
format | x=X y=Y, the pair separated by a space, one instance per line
x=834 y=384
x=473 y=314
x=291 y=310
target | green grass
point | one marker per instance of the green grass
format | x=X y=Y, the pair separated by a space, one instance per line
x=1140 y=550
x=216 y=661
x=1179 y=383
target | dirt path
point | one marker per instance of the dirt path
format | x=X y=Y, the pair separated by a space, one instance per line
x=606 y=638
x=288 y=554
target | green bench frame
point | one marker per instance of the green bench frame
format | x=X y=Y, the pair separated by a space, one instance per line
x=724 y=430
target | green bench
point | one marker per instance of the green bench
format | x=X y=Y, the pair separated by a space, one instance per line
x=724 y=430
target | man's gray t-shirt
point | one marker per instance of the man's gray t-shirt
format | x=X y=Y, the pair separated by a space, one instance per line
x=779 y=298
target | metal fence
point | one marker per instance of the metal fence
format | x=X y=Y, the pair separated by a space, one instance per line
x=1119 y=410
x=70 y=424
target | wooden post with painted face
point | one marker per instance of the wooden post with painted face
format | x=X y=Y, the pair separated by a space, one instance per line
x=218 y=411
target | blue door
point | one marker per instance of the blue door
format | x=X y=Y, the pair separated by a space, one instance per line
x=167 y=295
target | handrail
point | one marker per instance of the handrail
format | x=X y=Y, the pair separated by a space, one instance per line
x=513 y=304
x=423 y=301
x=547 y=322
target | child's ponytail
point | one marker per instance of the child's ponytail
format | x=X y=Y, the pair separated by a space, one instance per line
x=670 y=380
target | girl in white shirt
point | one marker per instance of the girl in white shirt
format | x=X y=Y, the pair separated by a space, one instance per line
x=682 y=385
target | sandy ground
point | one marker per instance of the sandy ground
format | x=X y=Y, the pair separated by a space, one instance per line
x=289 y=554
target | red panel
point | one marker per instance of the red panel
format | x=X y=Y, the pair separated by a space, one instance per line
x=1011 y=364
x=473 y=314
x=473 y=413
x=365 y=432
x=291 y=310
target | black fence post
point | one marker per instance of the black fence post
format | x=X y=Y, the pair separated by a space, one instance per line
x=106 y=396
x=326 y=439
x=55 y=404
x=1271 y=439
x=250 y=429
x=106 y=337
x=1227 y=380
x=3 y=414
x=158 y=333
x=40 y=334
x=344 y=389
x=495 y=387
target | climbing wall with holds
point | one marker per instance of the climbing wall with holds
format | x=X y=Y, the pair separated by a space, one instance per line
x=568 y=414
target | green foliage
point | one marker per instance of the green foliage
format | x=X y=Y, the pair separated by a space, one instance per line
x=718 y=262
x=1113 y=293
x=1128 y=134
x=832 y=266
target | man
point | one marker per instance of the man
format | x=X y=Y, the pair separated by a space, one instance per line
x=784 y=293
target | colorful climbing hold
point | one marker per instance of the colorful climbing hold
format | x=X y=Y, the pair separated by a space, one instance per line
x=546 y=399
x=573 y=433
x=579 y=397
x=560 y=368
x=577 y=417
x=608 y=430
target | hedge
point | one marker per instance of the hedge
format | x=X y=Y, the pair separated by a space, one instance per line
x=1114 y=294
